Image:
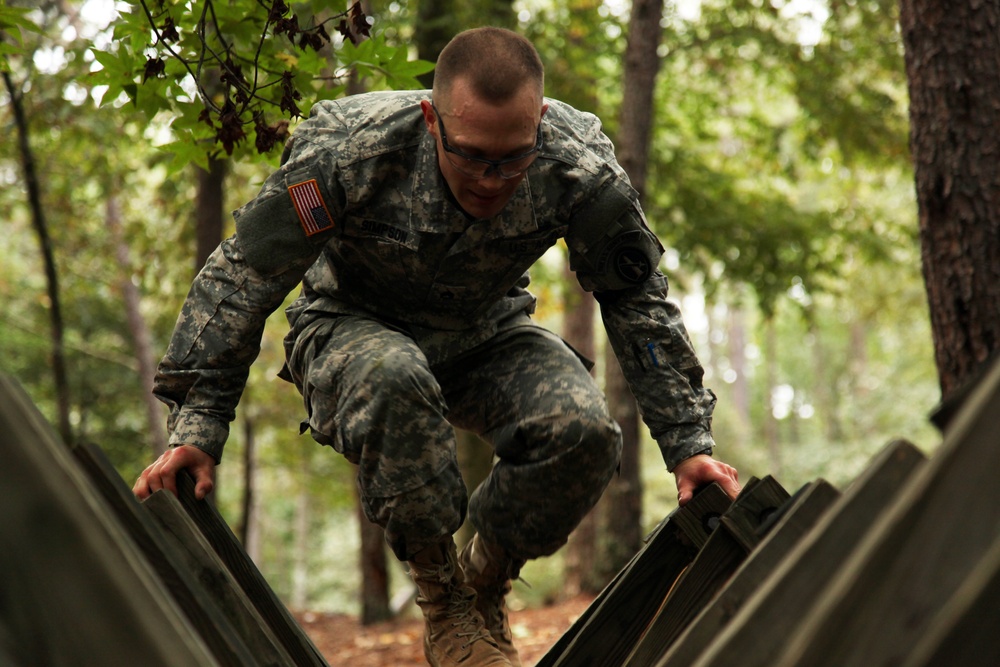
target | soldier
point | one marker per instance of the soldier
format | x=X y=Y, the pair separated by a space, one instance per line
x=411 y=219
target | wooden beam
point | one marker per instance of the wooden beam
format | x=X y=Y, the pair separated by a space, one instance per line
x=785 y=597
x=277 y=617
x=73 y=584
x=204 y=564
x=613 y=622
x=804 y=509
x=711 y=569
x=964 y=632
x=917 y=554
x=167 y=560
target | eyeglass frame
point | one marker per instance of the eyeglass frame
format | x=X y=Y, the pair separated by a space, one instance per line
x=491 y=165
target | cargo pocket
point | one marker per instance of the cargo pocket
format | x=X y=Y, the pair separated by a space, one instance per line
x=321 y=392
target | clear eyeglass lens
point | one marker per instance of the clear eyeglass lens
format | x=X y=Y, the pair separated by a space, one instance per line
x=477 y=169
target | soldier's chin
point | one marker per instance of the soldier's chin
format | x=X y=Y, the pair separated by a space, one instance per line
x=484 y=207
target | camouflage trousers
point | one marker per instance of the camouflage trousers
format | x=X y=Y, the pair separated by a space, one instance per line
x=372 y=395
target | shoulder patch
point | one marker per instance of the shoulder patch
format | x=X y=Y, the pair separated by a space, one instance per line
x=314 y=216
x=632 y=265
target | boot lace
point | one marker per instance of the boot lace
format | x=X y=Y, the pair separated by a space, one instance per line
x=464 y=617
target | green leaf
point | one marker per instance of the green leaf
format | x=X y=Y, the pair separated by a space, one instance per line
x=16 y=17
x=111 y=63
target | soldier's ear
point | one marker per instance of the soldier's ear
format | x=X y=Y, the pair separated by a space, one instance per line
x=430 y=118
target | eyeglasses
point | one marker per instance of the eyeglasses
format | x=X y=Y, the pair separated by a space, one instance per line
x=479 y=167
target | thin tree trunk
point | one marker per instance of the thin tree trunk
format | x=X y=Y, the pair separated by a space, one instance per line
x=621 y=506
x=826 y=388
x=771 y=435
x=624 y=503
x=374 y=566
x=209 y=223
x=209 y=213
x=501 y=14
x=373 y=563
x=248 y=512
x=581 y=552
x=59 y=373
x=475 y=459
x=436 y=24
x=952 y=54
x=137 y=327
x=738 y=363
x=300 y=557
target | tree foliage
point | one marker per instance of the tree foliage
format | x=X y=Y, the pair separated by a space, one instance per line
x=228 y=72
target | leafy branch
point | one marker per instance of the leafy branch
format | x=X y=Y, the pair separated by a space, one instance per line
x=220 y=71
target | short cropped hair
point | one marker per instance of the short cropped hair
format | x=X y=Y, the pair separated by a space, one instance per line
x=497 y=63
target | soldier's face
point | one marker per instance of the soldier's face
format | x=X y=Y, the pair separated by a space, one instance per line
x=484 y=130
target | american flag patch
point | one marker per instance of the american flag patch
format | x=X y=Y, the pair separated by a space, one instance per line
x=309 y=204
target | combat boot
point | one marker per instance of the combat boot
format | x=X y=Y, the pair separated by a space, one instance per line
x=489 y=570
x=454 y=633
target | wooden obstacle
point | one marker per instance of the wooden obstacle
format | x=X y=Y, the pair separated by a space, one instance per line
x=91 y=576
x=901 y=568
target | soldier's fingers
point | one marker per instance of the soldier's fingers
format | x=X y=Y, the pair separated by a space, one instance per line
x=203 y=484
x=141 y=487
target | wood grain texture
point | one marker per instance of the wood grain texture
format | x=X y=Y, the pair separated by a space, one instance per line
x=614 y=621
x=198 y=605
x=281 y=622
x=72 y=581
x=702 y=624
x=756 y=632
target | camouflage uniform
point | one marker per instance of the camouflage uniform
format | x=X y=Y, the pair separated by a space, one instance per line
x=412 y=318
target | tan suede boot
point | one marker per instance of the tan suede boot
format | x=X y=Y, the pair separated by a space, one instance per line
x=454 y=633
x=489 y=570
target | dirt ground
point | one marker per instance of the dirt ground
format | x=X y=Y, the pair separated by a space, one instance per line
x=343 y=641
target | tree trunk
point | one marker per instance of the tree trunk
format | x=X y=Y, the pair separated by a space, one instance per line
x=771 y=434
x=374 y=571
x=436 y=25
x=209 y=223
x=621 y=507
x=209 y=213
x=580 y=574
x=59 y=373
x=738 y=364
x=953 y=69
x=475 y=460
x=247 y=530
x=624 y=505
x=826 y=389
x=141 y=339
x=301 y=534
x=500 y=13
x=372 y=559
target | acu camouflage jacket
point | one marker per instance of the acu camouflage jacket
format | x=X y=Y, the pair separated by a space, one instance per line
x=360 y=214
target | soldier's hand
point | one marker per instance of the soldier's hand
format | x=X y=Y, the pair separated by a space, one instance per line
x=701 y=470
x=162 y=474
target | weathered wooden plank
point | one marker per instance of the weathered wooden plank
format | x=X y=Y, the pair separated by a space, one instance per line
x=72 y=582
x=755 y=632
x=804 y=511
x=200 y=608
x=281 y=622
x=964 y=632
x=711 y=568
x=914 y=558
x=752 y=509
x=205 y=566
x=613 y=622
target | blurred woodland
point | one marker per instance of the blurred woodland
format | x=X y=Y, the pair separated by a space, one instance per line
x=775 y=166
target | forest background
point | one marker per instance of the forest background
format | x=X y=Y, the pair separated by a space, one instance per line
x=778 y=178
